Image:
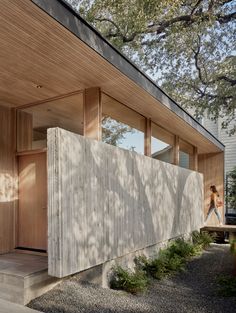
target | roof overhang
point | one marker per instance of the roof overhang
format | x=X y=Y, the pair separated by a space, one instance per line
x=50 y=45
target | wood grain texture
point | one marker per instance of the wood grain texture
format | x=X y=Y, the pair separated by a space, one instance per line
x=24 y=131
x=193 y=160
x=61 y=63
x=176 y=151
x=93 y=113
x=32 y=216
x=105 y=202
x=8 y=180
x=148 y=138
x=212 y=168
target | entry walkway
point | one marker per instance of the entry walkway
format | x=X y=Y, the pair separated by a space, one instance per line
x=9 y=307
x=24 y=277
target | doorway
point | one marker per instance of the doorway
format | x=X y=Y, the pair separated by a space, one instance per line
x=32 y=208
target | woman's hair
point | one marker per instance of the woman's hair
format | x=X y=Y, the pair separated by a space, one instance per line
x=213 y=189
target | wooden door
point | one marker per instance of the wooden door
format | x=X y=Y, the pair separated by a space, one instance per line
x=32 y=216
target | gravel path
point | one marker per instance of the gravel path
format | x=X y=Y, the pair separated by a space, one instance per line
x=193 y=290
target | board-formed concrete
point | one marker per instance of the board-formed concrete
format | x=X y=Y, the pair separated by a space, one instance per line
x=105 y=202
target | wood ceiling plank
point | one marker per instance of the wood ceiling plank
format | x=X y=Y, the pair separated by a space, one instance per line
x=37 y=50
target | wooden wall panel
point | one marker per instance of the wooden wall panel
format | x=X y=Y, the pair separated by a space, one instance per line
x=212 y=167
x=8 y=179
x=105 y=202
x=24 y=131
x=92 y=113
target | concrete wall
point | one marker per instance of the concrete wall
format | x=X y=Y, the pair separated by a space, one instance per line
x=105 y=202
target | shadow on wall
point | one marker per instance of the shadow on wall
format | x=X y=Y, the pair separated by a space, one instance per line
x=105 y=202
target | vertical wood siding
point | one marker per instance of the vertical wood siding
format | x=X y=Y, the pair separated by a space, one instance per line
x=105 y=202
x=8 y=179
x=229 y=141
x=211 y=165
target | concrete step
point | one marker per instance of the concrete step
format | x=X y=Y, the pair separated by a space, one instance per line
x=24 y=277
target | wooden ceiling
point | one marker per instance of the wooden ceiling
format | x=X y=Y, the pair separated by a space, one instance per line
x=40 y=59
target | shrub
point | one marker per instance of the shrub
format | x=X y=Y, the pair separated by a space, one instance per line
x=226 y=286
x=233 y=247
x=170 y=259
x=184 y=249
x=155 y=268
x=203 y=239
x=129 y=281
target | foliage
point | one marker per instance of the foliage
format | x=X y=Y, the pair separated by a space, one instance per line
x=231 y=192
x=113 y=132
x=170 y=260
x=202 y=239
x=186 y=44
x=233 y=246
x=152 y=267
x=227 y=286
x=184 y=249
x=133 y=282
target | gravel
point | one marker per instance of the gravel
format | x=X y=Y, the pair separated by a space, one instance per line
x=190 y=291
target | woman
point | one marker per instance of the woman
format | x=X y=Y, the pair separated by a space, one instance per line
x=213 y=204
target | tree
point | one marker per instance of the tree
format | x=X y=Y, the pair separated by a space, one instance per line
x=113 y=132
x=187 y=46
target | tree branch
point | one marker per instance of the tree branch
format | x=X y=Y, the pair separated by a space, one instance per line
x=124 y=38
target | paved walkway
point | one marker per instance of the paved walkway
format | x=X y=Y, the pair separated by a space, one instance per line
x=9 y=307
x=192 y=291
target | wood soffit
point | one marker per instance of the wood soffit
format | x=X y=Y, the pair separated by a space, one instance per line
x=43 y=57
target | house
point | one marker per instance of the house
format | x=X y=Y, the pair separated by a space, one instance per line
x=229 y=141
x=68 y=201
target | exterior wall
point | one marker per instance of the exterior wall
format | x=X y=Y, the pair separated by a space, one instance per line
x=228 y=141
x=211 y=126
x=7 y=179
x=105 y=202
x=212 y=167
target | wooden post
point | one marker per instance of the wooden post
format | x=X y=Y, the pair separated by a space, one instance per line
x=148 y=137
x=93 y=113
x=194 y=160
x=176 y=151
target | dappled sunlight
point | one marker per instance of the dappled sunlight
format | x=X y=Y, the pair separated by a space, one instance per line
x=108 y=202
x=8 y=187
x=28 y=176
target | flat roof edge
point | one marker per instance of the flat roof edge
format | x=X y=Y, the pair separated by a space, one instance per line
x=64 y=14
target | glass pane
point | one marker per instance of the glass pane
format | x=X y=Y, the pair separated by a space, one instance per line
x=66 y=113
x=162 y=144
x=184 y=159
x=185 y=153
x=121 y=126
